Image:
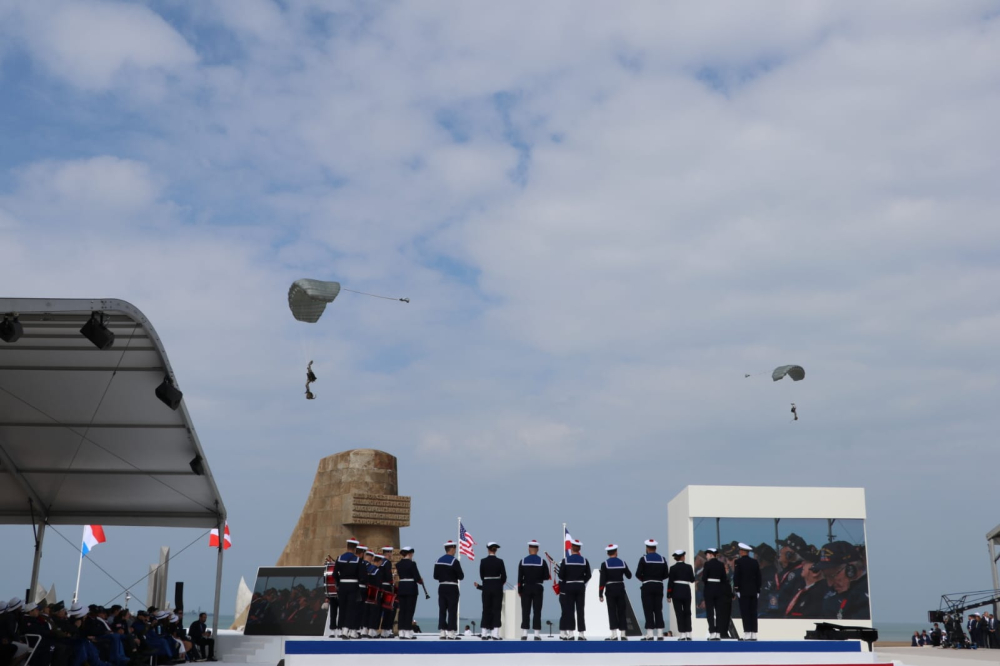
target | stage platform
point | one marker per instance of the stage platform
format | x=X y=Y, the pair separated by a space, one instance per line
x=431 y=650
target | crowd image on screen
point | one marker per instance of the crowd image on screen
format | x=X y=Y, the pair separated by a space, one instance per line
x=802 y=580
x=60 y=634
x=294 y=611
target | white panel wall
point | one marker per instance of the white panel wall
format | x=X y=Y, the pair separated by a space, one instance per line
x=758 y=502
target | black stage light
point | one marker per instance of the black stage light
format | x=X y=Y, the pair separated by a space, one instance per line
x=10 y=328
x=196 y=466
x=97 y=331
x=169 y=394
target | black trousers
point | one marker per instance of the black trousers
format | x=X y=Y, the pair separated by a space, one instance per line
x=407 y=607
x=347 y=594
x=617 y=618
x=652 y=605
x=682 y=609
x=748 y=612
x=713 y=609
x=572 y=600
x=531 y=600
x=724 y=616
x=448 y=607
x=204 y=643
x=359 y=616
x=388 y=614
x=492 y=605
x=334 y=603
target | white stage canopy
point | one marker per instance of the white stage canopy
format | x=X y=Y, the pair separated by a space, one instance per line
x=83 y=437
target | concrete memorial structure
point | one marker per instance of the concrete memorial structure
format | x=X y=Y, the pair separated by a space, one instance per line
x=354 y=495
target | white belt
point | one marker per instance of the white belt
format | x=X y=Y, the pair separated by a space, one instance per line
x=491 y=578
x=448 y=582
x=658 y=582
x=406 y=580
x=713 y=580
x=349 y=580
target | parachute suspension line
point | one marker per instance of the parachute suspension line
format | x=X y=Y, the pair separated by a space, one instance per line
x=365 y=293
x=756 y=374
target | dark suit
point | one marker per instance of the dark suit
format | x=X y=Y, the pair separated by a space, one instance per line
x=197 y=633
x=747 y=582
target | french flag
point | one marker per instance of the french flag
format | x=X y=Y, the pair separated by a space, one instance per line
x=567 y=542
x=92 y=535
x=213 y=539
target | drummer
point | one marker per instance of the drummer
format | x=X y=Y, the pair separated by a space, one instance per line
x=373 y=608
x=388 y=594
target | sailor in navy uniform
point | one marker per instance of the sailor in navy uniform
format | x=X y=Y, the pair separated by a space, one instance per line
x=448 y=572
x=409 y=579
x=532 y=572
x=574 y=573
x=359 y=601
x=330 y=582
x=652 y=571
x=679 y=583
x=494 y=575
x=373 y=605
x=747 y=582
x=345 y=573
x=614 y=571
x=716 y=586
x=388 y=614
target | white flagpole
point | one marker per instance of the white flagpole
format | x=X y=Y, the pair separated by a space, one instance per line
x=79 y=569
x=458 y=607
x=562 y=540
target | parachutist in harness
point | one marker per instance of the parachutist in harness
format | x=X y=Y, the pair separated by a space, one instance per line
x=795 y=413
x=310 y=378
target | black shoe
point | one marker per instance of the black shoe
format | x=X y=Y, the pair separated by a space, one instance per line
x=538 y=638
x=659 y=638
x=582 y=638
x=609 y=638
x=524 y=638
x=623 y=638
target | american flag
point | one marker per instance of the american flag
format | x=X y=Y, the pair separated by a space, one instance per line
x=465 y=543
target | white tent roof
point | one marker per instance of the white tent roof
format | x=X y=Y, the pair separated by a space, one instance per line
x=83 y=437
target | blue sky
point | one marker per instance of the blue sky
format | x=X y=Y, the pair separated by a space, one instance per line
x=604 y=216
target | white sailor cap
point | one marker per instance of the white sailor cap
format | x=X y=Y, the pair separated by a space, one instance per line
x=161 y=615
x=354 y=541
x=29 y=607
x=14 y=604
x=575 y=542
x=173 y=618
x=450 y=544
x=651 y=543
x=492 y=544
x=406 y=549
x=611 y=547
x=680 y=553
x=360 y=546
x=3 y=607
x=533 y=544
x=743 y=546
x=386 y=549
x=369 y=552
x=713 y=551
x=378 y=556
x=77 y=610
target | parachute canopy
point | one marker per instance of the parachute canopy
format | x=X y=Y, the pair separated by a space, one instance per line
x=796 y=372
x=307 y=299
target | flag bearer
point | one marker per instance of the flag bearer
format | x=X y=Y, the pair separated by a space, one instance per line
x=574 y=573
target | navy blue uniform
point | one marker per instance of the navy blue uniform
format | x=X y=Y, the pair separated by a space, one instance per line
x=679 y=593
x=574 y=573
x=494 y=574
x=373 y=609
x=652 y=571
x=409 y=579
x=747 y=581
x=614 y=571
x=447 y=572
x=345 y=572
x=532 y=572
x=717 y=596
x=388 y=614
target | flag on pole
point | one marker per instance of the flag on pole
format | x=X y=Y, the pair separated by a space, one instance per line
x=213 y=540
x=92 y=535
x=567 y=539
x=465 y=543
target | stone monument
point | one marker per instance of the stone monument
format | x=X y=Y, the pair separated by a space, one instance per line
x=354 y=495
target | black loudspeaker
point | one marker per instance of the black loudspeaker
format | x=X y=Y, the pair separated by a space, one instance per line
x=96 y=330
x=169 y=394
x=935 y=616
x=179 y=596
x=196 y=465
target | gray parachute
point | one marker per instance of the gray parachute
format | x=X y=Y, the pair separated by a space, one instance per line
x=796 y=372
x=307 y=299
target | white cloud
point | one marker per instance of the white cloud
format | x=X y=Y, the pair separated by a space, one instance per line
x=94 y=44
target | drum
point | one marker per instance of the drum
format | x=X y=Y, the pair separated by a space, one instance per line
x=388 y=599
x=373 y=593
